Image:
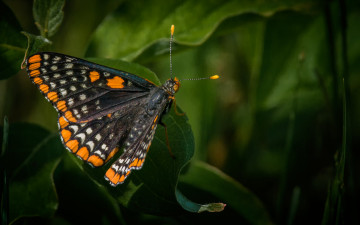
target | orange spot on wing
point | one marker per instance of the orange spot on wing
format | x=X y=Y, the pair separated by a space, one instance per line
x=122 y=178
x=52 y=96
x=112 y=153
x=95 y=160
x=83 y=153
x=34 y=59
x=62 y=122
x=34 y=66
x=94 y=76
x=134 y=163
x=112 y=176
x=44 y=88
x=110 y=173
x=73 y=145
x=61 y=105
x=34 y=73
x=65 y=134
x=139 y=164
x=69 y=116
x=38 y=80
x=109 y=115
x=116 y=82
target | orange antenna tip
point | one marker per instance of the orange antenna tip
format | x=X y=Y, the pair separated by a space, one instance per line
x=214 y=77
x=172 y=29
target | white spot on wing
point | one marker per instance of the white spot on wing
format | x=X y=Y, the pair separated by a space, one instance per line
x=69 y=65
x=75 y=128
x=70 y=101
x=82 y=137
x=89 y=130
x=84 y=109
x=63 y=91
x=82 y=97
x=91 y=145
x=52 y=84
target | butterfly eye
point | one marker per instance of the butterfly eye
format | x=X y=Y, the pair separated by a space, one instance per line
x=176 y=85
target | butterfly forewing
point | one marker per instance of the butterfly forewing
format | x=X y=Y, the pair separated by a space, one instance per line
x=81 y=90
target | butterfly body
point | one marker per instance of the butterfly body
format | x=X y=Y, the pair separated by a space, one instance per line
x=102 y=109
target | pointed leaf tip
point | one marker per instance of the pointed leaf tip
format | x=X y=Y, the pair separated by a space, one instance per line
x=212 y=207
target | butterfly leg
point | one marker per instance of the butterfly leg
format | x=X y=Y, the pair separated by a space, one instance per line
x=167 y=140
x=175 y=109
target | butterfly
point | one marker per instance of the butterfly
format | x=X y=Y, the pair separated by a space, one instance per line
x=101 y=109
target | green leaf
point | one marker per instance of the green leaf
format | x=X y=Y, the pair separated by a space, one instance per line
x=48 y=15
x=135 y=26
x=30 y=163
x=207 y=178
x=12 y=43
x=35 y=44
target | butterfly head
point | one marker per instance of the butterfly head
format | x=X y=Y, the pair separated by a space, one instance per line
x=172 y=85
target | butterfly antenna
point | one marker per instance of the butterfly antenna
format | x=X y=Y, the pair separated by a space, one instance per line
x=171 y=41
x=213 y=77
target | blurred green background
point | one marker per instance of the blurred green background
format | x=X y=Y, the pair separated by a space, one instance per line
x=275 y=137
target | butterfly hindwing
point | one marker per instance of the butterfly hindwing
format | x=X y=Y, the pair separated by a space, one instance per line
x=137 y=145
x=95 y=141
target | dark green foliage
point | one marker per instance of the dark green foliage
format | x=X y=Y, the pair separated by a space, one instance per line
x=273 y=141
x=48 y=15
x=12 y=43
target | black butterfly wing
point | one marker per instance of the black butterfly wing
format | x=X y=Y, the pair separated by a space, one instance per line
x=97 y=140
x=80 y=90
x=137 y=145
x=95 y=103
